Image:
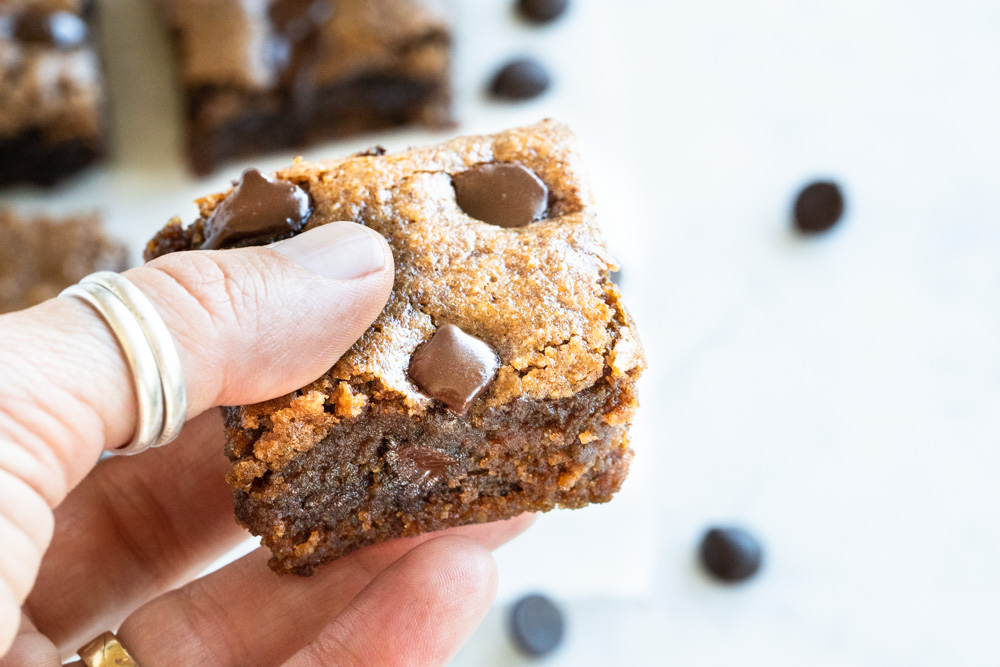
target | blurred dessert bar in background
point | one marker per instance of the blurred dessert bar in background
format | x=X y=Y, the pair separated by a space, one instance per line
x=41 y=256
x=52 y=96
x=263 y=76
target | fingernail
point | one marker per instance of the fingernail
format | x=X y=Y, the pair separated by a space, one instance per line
x=338 y=250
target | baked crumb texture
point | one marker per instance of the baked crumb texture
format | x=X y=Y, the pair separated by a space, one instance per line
x=41 y=256
x=262 y=76
x=362 y=455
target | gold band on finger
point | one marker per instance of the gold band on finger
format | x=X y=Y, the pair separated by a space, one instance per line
x=105 y=650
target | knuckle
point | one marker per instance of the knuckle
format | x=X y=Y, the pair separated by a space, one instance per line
x=224 y=292
x=184 y=628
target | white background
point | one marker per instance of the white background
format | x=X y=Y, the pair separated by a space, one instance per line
x=839 y=395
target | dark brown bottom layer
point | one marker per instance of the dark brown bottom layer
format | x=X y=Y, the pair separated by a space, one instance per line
x=385 y=475
x=28 y=158
x=227 y=124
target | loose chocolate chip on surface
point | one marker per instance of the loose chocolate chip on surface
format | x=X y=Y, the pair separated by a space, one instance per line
x=542 y=11
x=818 y=207
x=63 y=30
x=454 y=367
x=260 y=208
x=536 y=625
x=521 y=80
x=730 y=554
x=505 y=194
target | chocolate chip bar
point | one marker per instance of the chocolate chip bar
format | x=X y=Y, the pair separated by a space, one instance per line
x=499 y=379
x=263 y=76
x=41 y=256
x=51 y=91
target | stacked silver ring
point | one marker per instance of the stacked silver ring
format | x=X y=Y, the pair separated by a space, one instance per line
x=149 y=351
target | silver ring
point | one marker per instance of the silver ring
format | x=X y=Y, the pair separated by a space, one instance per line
x=168 y=362
x=138 y=355
x=150 y=352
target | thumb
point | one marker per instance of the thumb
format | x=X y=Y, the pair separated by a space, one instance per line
x=249 y=324
x=255 y=323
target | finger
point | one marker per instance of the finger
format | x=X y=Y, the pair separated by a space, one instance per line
x=244 y=614
x=131 y=531
x=241 y=319
x=419 y=611
x=30 y=648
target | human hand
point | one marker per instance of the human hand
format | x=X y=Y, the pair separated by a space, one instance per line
x=129 y=535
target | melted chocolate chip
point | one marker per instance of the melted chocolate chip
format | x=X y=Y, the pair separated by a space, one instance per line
x=63 y=30
x=427 y=464
x=542 y=11
x=521 y=80
x=730 y=554
x=259 y=210
x=536 y=625
x=505 y=194
x=818 y=207
x=454 y=367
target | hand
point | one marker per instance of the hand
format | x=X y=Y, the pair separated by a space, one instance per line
x=129 y=535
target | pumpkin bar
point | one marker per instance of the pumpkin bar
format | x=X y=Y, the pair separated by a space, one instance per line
x=264 y=76
x=499 y=379
x=40 y=256
x=52 y=98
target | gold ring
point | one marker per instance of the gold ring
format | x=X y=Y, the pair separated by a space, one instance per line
x=105 y=650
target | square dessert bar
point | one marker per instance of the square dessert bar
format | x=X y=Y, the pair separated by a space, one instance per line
x=499 y=379
x=52 y=96
x=262 y=76
x=41 y=256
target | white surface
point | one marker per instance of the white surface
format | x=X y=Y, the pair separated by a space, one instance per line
x=837 y=395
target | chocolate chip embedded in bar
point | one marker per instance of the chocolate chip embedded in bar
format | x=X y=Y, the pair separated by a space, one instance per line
x=259 y=210
x=51 y=91
x=262 y=76
x=504 y=194
x=454 y=367
x=59 y=29
x=499 y=379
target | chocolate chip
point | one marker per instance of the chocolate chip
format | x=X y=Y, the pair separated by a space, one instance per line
x=63 y=30
x=505 y=194
x=425 y=464
x=730 y=554
x=374 y=151
x=454 y=367
x=536 y=625
x=259 y=210
x=542 y=11
x=521 y=80
x=818 y=207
